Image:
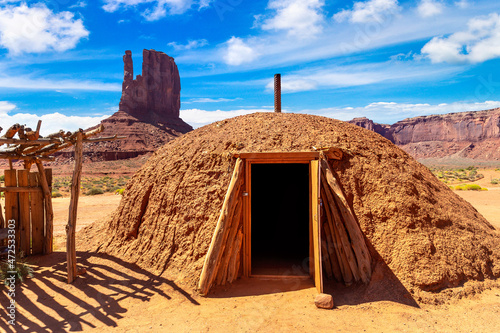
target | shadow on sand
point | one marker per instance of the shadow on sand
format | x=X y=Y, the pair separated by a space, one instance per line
x=93 y=297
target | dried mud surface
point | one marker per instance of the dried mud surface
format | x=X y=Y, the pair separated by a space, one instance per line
x=424 y=235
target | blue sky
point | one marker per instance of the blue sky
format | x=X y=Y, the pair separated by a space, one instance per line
x=61 y=60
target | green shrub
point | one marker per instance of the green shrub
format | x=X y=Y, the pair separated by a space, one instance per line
x=2 y=178
x=56 y=194
x=473 y=187
x=469 y=187
x=495 y=181
x=94 y=191
x=119 y=191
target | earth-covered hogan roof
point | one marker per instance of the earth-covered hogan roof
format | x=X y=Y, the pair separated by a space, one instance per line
x=427 y=235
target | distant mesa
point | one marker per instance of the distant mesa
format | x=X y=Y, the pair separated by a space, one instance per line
x=148 y=112
x=473 y=134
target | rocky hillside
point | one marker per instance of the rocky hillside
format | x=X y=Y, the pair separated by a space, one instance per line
x=474 y=135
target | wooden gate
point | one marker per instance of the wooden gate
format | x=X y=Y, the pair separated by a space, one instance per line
x=25 y=204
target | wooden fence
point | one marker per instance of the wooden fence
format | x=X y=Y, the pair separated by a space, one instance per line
x=25 y=204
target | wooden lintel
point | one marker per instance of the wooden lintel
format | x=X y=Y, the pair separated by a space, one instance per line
x=20 y=189
x=300 y=155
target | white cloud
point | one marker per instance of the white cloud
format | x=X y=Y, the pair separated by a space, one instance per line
x=368 y=11
x=38 y=29
x=5 y=107
x=390 y=112
x=153 y=10
x=462 y=4
x=51 y=122
x=428 y=8
x=191 y=44
x=211 y=100
x=300 y=18
x=238 y=52
x=79 y=4
x=332 y=77
x=197 y=117
x=479 y=43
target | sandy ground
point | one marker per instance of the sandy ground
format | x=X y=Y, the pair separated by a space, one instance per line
x=116 y=296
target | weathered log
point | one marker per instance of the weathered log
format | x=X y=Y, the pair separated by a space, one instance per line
x=12 y=131
x=337 y=273
x=37 y=212
x=235 y=226
x=357 y=238
x=340 y=229
x=12 y=201
x=212 y=259
x=234 y=262
x=49 y=213
x=338 y=246
x=73 y=206
x=24 y=213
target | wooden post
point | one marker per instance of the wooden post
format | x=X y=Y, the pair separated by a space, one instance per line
x=315 y=177
x=11 y=201
x=37 y=229
x=73 y=207
x=356 y=235
x=24 y=214
x=49 y=213
x=213 y=257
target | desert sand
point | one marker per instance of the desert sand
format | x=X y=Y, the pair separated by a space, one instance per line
x=116 y=296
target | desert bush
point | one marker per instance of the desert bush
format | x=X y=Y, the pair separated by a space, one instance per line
x=119 y=191
x=495 y=181
x=94 y=191
x=22 y=270
x=56 y=194
x=469 y=187
x=2 y=178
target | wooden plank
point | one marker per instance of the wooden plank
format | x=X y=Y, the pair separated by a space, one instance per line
x=73 y=208
x=315 y=181
x=12 y=201
x=358 y=241
x=334 y=262
x=2 y=221
x=24 y=213
x=49 y=213
x=231 y=241
x=234 y=261
x=343 y=241
x=213 y=257
x=37 y=216
x=20 y=189
x=308 y=155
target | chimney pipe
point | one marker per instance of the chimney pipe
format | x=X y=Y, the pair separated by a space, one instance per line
x=277 y=92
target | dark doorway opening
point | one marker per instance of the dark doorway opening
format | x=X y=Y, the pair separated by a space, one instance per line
x=280 y=219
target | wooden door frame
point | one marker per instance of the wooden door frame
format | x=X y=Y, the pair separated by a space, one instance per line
x=278 y=158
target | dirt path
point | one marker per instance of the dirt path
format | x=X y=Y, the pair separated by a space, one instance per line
x=117 y=296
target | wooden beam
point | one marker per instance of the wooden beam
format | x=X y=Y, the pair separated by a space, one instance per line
x=49 y=213
x=20 y=189
x=356 y=235
x=37 y=216
x=73 y=207
x=39 y=141
x=24 y=213
x=12 y=201
x=315 y=215
x=308 y=155
x=213 y=257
